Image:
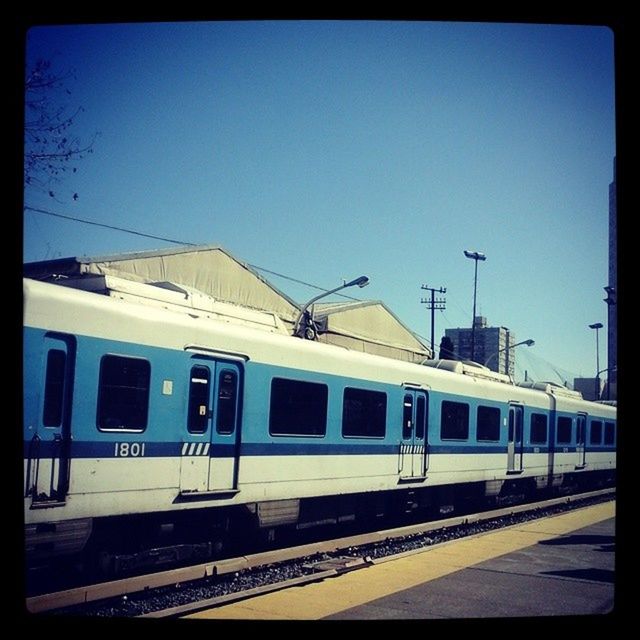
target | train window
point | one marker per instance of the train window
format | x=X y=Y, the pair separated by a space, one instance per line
x=421 y=416
x=298 y=408
x=364 y=413
x=596 y=432
x=54 y=388
x=227 y=394
x=609 y=433
x=407 y=416
x=123 y=393
x=538 y=428
x=198 y=417
x=565 y=426
x=488 y=423
x=454 y=424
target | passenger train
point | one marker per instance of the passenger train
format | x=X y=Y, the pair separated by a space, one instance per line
x=158 y=431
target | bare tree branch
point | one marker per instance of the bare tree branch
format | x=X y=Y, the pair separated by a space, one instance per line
x=50 y=149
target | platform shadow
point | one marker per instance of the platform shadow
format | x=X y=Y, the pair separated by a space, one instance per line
x=607 y=542
x=593 y=575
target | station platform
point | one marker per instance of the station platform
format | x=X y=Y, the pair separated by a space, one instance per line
x=563 y=565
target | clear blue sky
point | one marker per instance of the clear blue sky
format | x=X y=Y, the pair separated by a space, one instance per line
x=327 y=150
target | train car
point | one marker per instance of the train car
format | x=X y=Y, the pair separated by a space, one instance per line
x=153 y=425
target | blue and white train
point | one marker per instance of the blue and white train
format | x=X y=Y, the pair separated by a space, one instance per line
x=154 y=427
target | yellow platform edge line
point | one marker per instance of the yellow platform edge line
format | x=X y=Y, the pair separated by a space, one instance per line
x=321 y=599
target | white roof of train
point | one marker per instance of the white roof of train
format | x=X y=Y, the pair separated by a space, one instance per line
x=178 y=327
x=180 y=298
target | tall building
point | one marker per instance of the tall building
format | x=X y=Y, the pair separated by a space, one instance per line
x=611 y=289
x=590 y=388
x=492 y=346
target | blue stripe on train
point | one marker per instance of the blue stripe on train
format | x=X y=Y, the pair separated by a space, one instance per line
x=167 y=412
x=128 y=448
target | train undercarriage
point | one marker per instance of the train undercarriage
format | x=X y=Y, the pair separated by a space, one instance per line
x=125 y=545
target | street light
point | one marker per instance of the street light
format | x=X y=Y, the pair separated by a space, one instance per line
x=528 y=342
x=611 y=295
x=597 y=326
x=607 y=370
x=474 y=255
x=308 y=330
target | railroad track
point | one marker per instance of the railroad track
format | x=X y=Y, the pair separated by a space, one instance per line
x=176 y=592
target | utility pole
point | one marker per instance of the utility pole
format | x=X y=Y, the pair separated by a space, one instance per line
x=612 y=354
x=432 y=305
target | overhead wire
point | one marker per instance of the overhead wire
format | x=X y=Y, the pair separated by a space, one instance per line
x=258 y=268
x=173 y=241
x=106 y=226
x=306 y=284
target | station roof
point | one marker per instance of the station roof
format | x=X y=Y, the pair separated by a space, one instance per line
x=209 y=269
x=368 y=326
x=369 y=320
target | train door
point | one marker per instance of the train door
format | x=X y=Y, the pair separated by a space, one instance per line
x=515 y=438
x=581 y=439
x=210 y=447
x=414 y=457
x=48 y=456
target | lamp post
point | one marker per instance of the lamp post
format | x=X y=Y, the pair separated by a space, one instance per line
x=528 y=342
x=611 y=295
x=608 y=370
x=597 y=326
x=474 y=255
x=307 y=329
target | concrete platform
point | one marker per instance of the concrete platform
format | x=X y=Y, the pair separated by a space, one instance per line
x=558 y=566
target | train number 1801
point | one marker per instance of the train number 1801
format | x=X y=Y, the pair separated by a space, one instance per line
x=129 y=449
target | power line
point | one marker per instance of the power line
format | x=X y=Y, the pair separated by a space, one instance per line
x=107 y=226
x=173 y=241
x=279 y=275
x=537 y=362
x=306 y=284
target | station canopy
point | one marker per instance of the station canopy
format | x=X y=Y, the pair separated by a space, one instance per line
x=367 y=326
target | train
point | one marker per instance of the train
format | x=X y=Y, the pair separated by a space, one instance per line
x=156 y=432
